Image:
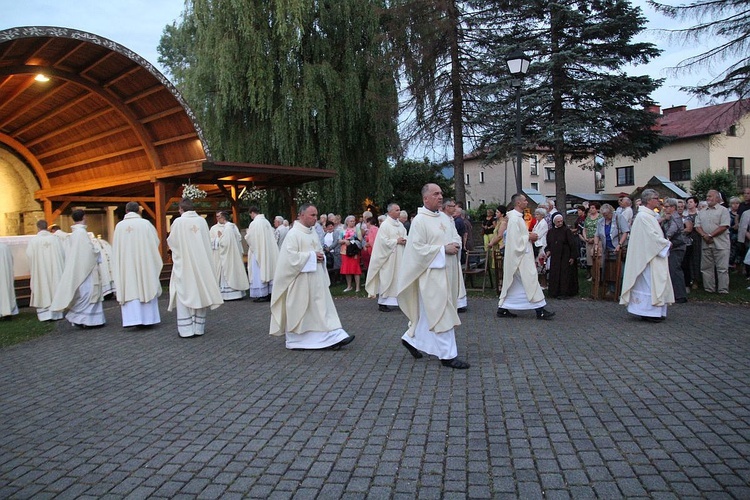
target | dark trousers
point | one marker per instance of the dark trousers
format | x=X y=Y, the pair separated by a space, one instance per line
x=676 y=256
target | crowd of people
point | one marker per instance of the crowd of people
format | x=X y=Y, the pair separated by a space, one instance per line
x=415 y=265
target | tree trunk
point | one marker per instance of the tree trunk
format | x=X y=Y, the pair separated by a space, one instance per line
x=456 y=105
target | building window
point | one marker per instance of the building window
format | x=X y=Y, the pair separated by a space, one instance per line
x=482 y=202
x=468 y=204
x=481 y=177
x=467 y=179
x=625 y=176
x=732 y=131
x=679 y=170
x=550 y=158
x=535 y=186
x=734 y=165
x=549 y=174
x=534 y=161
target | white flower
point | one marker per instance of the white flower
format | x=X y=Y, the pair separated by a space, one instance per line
x=192 y=192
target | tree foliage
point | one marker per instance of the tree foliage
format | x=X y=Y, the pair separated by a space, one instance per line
x=726 y=23
x=721 y=180
x=408 y=177
x=578 y=101
x=291 y=83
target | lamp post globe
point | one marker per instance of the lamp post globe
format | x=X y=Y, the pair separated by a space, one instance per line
x=518 y=64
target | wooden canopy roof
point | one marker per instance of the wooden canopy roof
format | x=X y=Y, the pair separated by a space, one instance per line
x=98 y=124
x=107 y=126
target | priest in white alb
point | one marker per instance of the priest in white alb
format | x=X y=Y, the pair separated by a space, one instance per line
x=46 y=257
x=646 y=285
x=385 y=261
x=80 y=290
x=302 y=308
x=262 y=254
x=8 y=305
x=521 y=289
x=193 y=289
x=137 y=265
x=429 y=278
x=226 y=243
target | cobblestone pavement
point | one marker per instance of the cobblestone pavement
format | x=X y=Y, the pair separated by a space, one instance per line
x=594 y=404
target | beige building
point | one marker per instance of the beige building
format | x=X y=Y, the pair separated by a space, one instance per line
x=495 y=182
x=710 y=138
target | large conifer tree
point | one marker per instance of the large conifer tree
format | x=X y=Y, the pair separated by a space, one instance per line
x=577 y=99
x=292 y=83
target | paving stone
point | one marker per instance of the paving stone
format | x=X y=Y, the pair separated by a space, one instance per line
x=643 y=411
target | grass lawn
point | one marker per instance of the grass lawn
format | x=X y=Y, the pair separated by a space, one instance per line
x=22 y=327
x=738 y=293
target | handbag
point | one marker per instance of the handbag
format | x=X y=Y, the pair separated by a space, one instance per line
x=354 y=247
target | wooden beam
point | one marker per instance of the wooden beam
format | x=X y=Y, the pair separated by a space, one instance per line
x=33 y=103
x=51 y=114
x=144 y=93
x=162 y=114
x=102 y=199
x=62 y=58
x=143 y=202
x=123 y=74
x=177 y=138
x=97 y=62
x=160 y=217
x=20 y=90
x=83 y=142
x=93 y=159
x=62 y=207
x=71 y=125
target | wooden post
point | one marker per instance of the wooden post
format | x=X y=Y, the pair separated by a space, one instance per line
x=160 y=219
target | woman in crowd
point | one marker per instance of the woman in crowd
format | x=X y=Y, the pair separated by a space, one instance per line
x=332 y=246
x=540 y=229
x=735 y=249
x=692 y=262
x=673 y=227
x=497 y=243
x=562 y=254
x=371 y=232
x=611 y=231
x=488 y=227
x=351 y=247
x=587 y=236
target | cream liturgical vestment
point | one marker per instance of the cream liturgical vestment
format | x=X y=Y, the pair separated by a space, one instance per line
x=385 y=261
x=521 y=289
x=8 y=304
x=136 y=268
x=646 y=285
x=301 y=304
x=262 y=254
x=192 y=287
x=429 y=284
x=46 y=263
x=226 y=242
x=80 y=289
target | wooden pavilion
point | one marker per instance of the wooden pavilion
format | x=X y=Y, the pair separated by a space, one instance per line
x=97 y=124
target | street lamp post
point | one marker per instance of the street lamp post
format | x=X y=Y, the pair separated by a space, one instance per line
x=518 y=65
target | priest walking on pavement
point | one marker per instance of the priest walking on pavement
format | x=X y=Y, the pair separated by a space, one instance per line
x=193 y=289
x=302 y=308
x=521 y=289
x=262 y=254
x=387 y=254
x=136 y=268
x=46 y=256
x=430 y=276
x=646 y=285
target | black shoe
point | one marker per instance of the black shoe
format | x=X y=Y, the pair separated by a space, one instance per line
x=412 y=350
x=384 y=308
x=542 y=313
x=461 y=309
x=504 y=313
x=266 y=298
x=455 y=363
x=653 y=319
x=338 y=345
x=681 y=300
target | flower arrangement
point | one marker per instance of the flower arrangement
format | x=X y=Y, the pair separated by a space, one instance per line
x=192 y=192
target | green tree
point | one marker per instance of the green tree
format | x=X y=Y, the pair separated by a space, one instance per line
x=578 y=100
x=726 y=23
x=408 y=177
x=720 y=180
x=433 y=42
x=292 y=83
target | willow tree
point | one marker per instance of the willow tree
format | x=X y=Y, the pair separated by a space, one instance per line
x=578 y=100
x=292 y=83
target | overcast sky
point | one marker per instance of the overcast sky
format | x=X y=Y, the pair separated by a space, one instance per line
x=138 y=25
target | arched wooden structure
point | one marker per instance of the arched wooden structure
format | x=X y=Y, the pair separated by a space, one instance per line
x=107 y=127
